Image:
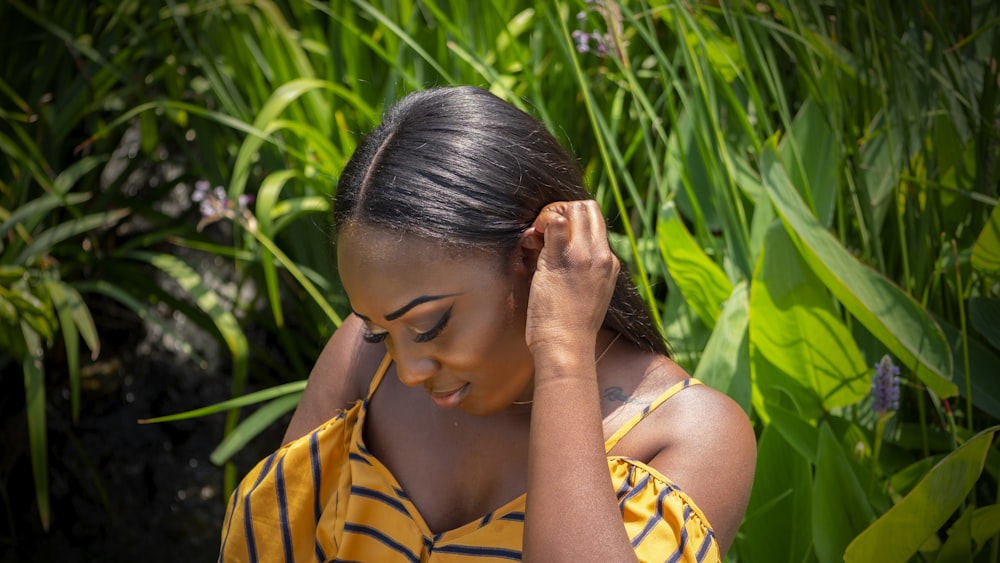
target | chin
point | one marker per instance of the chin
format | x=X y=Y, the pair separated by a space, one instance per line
x=476 y=408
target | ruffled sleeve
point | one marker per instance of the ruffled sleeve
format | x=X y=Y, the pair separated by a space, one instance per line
x=661 y=520
x=275 y=512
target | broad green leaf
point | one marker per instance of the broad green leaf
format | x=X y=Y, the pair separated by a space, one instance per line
x=903 y=529
x=34 y=396
x=794 y=325
x=725 y=361
x=68 y=299
x=297 y=273
x=799 y=433
x=47 y=239
x=958 y=547
x=985 y=523
x=267 y=199
x=984 y=312
x=68 y=178
x=35 y=210
x=903 y=481
x=252 y=426
x=142 y=310
x=894 y=317
x=33 y=306
x=811 y=155
x=74 y=320
x=208 y=301
x=986 y=251
x=840 y=508
x=772 y=386
x=703 y=283
x=776 y=526
x=288 y=210
x=284 y=95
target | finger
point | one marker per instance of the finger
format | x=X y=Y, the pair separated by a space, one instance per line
x=550 y=214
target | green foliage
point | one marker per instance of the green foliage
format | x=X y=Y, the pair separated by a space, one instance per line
x=799 y=189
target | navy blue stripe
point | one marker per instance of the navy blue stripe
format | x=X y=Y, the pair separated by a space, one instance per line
x=684 y=537
x=635 y=491
x=355 y=457
x=496 y=552
x=317 y=476
x=247 y=517
x=363 y=449
x=515 y=516
x=384 y=539
x=709 y=540
x=286 y=529
x=486 y=520
x=401 y=493
x=653 y=520
x=379 y=496
x=626 y=483
x=229 y=520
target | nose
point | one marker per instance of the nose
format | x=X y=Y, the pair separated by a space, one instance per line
x=412 y=366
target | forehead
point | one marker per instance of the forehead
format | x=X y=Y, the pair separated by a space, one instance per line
x=381 y=269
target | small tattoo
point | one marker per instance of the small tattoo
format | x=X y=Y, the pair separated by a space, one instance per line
x=616 y=394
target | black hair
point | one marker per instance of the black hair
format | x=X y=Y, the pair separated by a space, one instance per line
x=464 y=168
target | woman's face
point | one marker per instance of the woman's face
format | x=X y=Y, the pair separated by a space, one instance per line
x=453 y=324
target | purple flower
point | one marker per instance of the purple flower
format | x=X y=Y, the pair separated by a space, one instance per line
x=214 y=204
x=582 y=38
x=885 y=386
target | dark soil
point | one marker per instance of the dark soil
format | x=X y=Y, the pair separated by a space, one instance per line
x=123 y=491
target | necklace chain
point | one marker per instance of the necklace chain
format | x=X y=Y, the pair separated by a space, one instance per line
x=597 y=361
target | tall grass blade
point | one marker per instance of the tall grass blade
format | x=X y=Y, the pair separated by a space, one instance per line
x=34 y=394
x=894 y=317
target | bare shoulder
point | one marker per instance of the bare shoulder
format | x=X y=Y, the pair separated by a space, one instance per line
x=704 y=442
x=340 y=376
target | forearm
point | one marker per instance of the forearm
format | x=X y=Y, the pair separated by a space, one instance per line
x=572 y=512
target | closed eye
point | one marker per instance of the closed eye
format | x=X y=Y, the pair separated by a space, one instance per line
x=435 y=330
x=374 y=337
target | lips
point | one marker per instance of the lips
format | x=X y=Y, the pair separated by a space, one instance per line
x=450 y=398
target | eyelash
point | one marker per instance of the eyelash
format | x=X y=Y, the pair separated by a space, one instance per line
x=436 y=330
x=372 y=338
x=375 y=338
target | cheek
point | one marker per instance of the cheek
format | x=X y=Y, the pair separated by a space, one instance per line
x=495 y=335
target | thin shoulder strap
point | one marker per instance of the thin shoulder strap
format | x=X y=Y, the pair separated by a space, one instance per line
x=379 y=374
x=673 y=390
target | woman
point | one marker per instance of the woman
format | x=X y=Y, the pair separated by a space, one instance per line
x=499 y=391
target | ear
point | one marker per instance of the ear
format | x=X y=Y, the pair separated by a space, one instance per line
x=529 y=245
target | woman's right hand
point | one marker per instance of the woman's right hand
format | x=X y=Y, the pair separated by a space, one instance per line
x=574 y=278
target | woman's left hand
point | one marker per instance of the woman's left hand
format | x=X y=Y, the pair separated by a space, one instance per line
x=573 y=281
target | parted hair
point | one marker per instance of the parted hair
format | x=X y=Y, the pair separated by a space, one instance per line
x=464 y=168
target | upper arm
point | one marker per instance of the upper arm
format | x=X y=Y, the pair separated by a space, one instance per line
x=338 y=379
x=711 y=453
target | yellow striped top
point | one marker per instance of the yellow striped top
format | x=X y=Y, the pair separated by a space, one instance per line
x=325 y=497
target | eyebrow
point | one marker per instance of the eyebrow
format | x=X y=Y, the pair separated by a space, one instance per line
x=406 y=308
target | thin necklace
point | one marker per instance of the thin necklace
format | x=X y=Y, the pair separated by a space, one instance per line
x=597 y=361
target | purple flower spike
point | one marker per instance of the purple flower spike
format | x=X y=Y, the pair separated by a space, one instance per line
x=885 y=386
x=582 y=39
